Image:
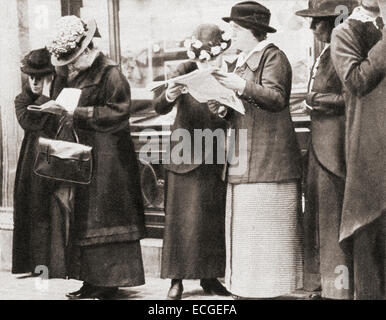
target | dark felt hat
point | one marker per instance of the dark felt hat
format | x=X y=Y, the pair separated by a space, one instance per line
x=37 y=62
x=326 y=8
x=251 y=15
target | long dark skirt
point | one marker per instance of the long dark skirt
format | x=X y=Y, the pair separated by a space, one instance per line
x=327 y=263
x=108 y=265
x=194 y=239
x=105 y=265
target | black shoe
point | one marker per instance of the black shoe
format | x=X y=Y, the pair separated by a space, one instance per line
x=213 y=286
x=83 y=293
x=104 y=293
x=175 y=291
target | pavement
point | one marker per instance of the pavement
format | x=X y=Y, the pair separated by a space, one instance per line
x=22 y=287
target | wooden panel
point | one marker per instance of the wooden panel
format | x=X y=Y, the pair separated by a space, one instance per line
x=115 y=43
x=10 y=86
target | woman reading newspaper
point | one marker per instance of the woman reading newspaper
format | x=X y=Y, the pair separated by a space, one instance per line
x=194 y=240
x=263 y=242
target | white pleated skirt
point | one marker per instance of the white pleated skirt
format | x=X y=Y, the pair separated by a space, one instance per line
x=263 y=239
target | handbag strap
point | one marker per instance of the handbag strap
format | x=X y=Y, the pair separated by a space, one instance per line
x=61 y=126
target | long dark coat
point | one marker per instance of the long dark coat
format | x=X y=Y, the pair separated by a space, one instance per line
x=31 y=207
x=325 y=183
x=194 y=238
x=110 y=208
x=358 y=53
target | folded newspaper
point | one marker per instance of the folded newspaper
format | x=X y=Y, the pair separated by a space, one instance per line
x=68 y=99
x=203 y=86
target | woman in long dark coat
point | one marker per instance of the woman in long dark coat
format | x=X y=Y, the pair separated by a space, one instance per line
x=194 y=240
x=31 y=210
x=108 y=213
x=326 y=165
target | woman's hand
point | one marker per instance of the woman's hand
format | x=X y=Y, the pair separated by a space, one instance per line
x=214 y=106
x=47 y=85
x=54 y=108
x=217 y=108
x=230 y=80
x=174 y=91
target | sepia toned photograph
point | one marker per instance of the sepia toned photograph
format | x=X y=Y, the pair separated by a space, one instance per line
x=210 y=151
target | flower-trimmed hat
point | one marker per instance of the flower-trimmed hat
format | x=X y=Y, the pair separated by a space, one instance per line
x=207 y=42
x=71 y=38
x=37 y=62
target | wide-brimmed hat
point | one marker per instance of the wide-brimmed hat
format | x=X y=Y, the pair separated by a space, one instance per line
x=207 y=42
x=37 y=62
x=72 y=37
x=251 y=15
x=326 y=8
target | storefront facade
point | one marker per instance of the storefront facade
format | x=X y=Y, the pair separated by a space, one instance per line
x=145 y=37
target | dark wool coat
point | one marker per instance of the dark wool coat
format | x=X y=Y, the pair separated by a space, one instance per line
x=272 y=150
x=191 y=115
x=327 y=116
x=325 y=183
x=110 y=208
x=31 y=193
x=358 y=53
x=194 y=238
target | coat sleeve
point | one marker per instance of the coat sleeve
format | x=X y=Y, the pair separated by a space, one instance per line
x=115 y=109
x=329 y=102
x=358 y=73
x=160 y=104
x=274 y=91
x=30 y=120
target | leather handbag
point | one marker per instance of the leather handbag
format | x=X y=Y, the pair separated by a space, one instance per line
x=63 y=160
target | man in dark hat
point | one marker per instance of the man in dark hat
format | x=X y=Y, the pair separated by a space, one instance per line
x=31 y=210
x=358 y=49
x=264 y=198
x=326 y=163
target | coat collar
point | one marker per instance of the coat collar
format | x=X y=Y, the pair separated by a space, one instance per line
x=253 y=61
x=93 y=75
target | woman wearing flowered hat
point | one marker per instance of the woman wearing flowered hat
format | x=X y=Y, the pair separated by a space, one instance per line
x=194 y=241
x=108 y=213
x=264 y=257
x=31 y=236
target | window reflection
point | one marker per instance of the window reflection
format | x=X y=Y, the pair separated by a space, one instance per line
x=97 y=10
x=153 y=34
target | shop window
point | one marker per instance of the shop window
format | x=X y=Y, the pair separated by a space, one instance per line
x=98 y=10
x=152 y=33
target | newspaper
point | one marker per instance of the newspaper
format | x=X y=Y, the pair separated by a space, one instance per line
x=203 y=86
x=68 y=99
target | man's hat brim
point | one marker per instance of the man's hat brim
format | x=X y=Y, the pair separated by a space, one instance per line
x=90 y=34
x=255 y=25
x=310 y=13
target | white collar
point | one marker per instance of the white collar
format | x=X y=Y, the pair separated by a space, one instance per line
x=260 y=46
x=360 y=14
